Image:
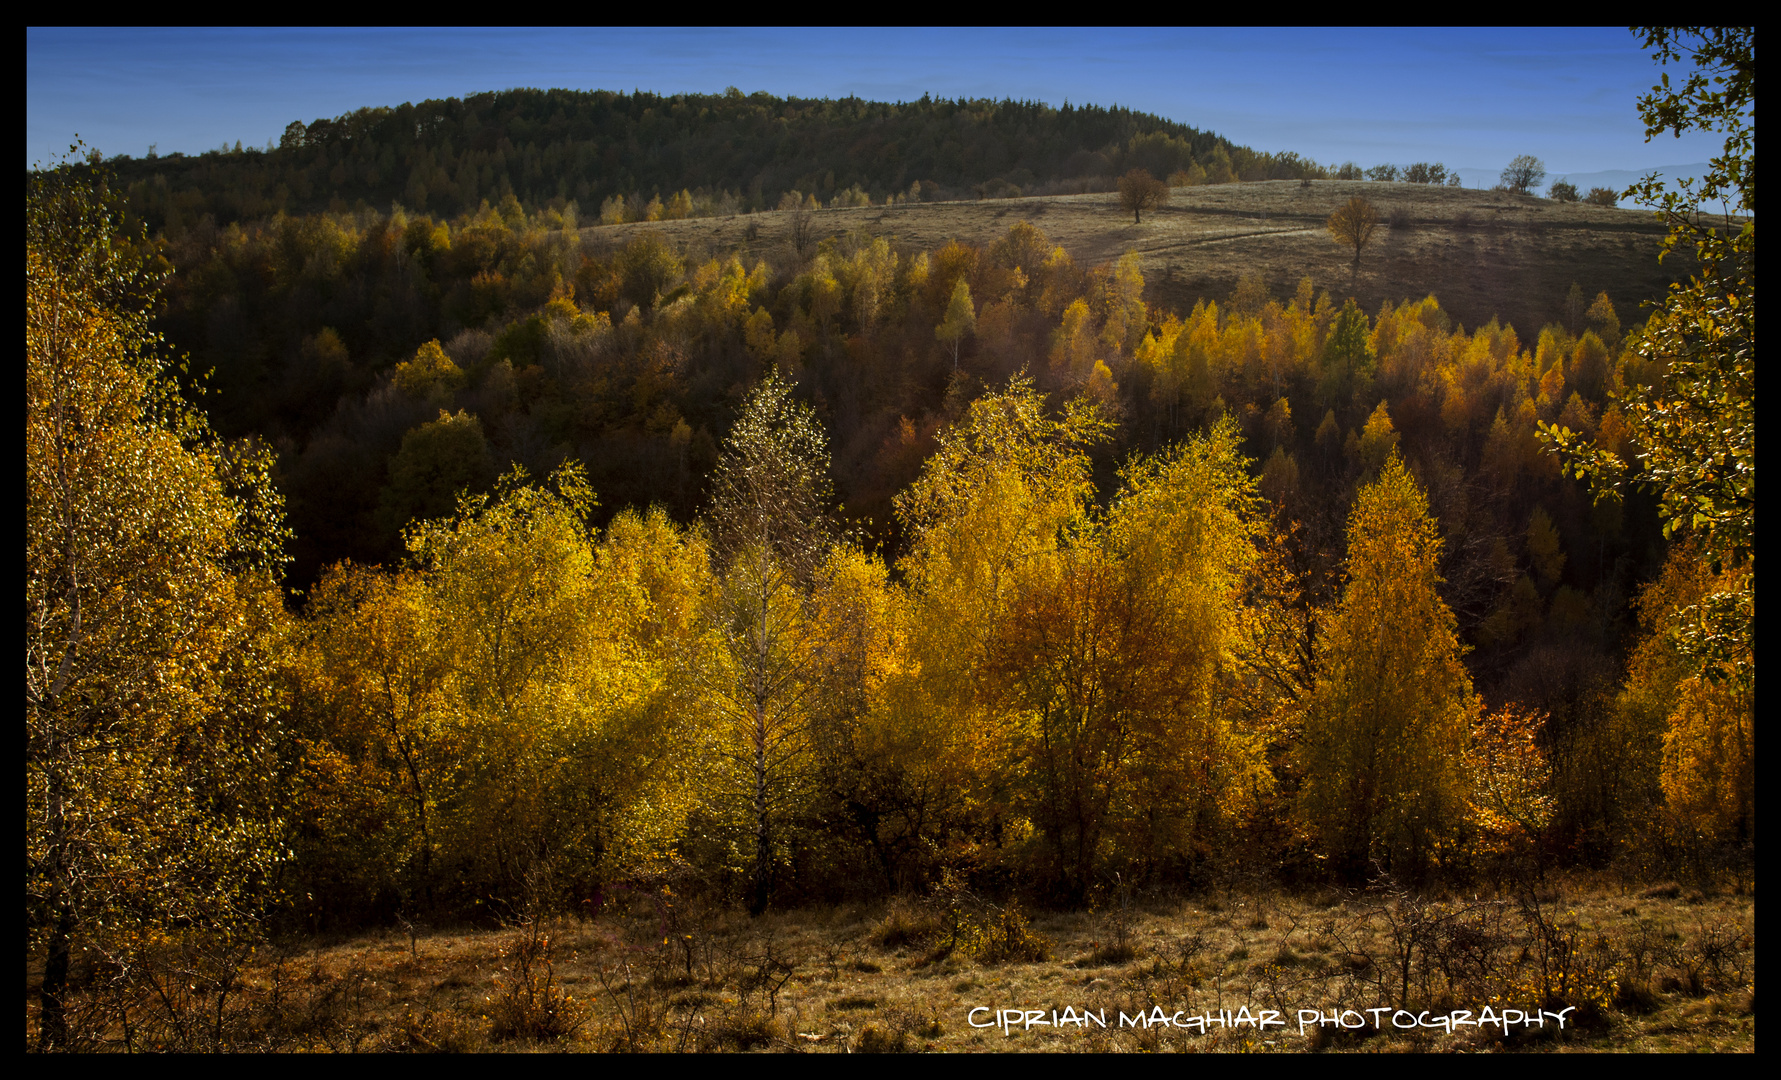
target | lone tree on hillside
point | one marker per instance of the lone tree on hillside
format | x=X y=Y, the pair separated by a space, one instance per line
x=1353 y=225
x=1523 y=174
x=1140 y=191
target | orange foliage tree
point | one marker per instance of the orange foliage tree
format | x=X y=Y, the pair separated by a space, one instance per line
x=1385 y=732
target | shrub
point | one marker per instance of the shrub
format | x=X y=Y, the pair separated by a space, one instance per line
x=875 y=1040
x=1601 y=196
x=1008 y=939
x=905 y=924
x=750 y=1028
x=531 y=1004
x=432 y=1032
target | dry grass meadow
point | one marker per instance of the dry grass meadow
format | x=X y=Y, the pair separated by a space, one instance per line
x=1483 y=254
x=1658 y=969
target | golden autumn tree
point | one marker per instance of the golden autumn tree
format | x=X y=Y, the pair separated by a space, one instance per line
x=1696 y=426
x=993 y=495
x=961 y=319
x=1709 y=761
x=152 y=620
x=560 y=690
x=1706 y=763
x=763 y=683
x=986 y=513
x=1123 y=294
x=1111 y=662
x=1184 y=527
x=1075 y=659
x=637 y=755
x=506 y=718
x=1385 y=732
x=430 y=372
x=376 y=734
x=1054 y=676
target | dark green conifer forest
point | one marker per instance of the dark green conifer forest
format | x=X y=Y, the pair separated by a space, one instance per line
x=729 y=152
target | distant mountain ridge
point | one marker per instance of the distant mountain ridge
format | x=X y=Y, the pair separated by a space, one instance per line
x=1617 y=179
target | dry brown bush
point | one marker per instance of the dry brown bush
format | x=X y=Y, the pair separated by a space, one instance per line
x=905 y=923
x=532 y=1005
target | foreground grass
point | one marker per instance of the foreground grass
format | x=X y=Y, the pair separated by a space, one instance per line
x=1658 y=970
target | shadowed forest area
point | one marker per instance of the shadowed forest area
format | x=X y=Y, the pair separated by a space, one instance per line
x=866 y=595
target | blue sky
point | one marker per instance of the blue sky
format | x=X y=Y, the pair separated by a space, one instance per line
x=1472 y=98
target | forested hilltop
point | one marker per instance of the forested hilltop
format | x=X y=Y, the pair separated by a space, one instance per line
x=726 y=152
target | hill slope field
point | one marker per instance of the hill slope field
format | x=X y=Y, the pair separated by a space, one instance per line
x=1485 y=254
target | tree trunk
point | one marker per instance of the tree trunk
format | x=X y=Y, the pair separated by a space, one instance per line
x=763 y=845
x=52 y=1032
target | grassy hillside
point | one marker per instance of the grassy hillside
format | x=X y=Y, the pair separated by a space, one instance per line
x=1485 y=254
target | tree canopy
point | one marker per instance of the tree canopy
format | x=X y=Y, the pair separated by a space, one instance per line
x=1352 y=225
x=1523 y=175
x=1139 y=191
